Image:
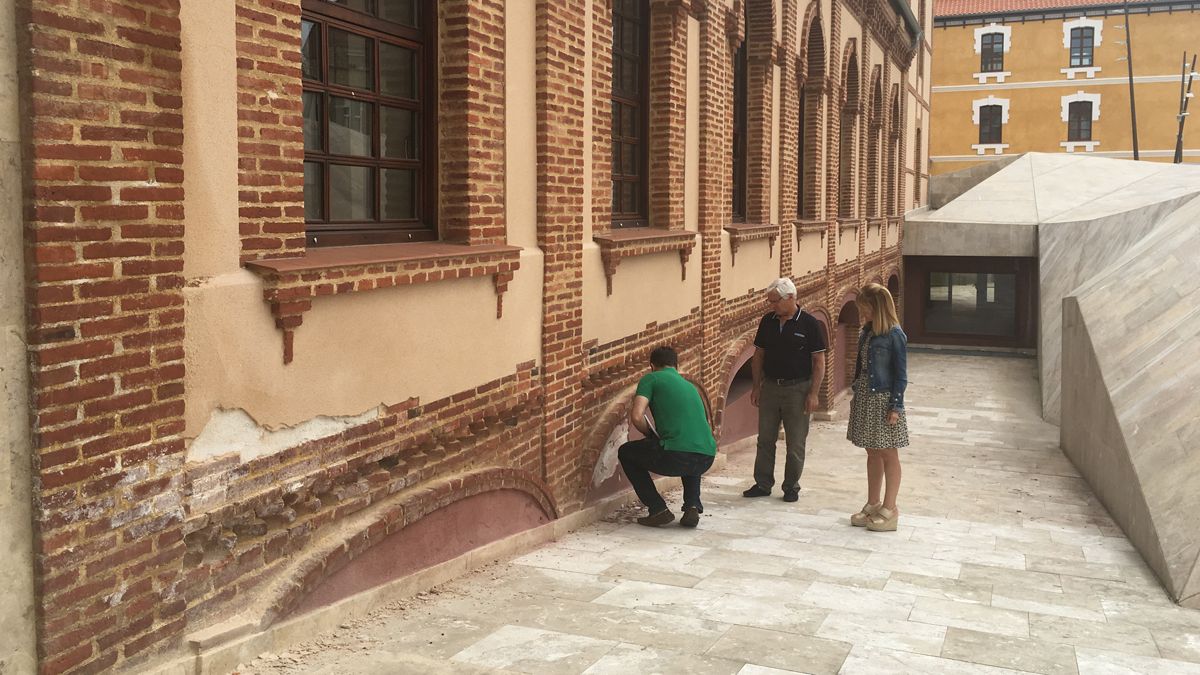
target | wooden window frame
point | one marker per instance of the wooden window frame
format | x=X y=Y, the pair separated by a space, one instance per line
x=991 y=119
x=1079 y=121
x=991 y=53
x=640 y=102
x=423 y=41
x=1083 y=45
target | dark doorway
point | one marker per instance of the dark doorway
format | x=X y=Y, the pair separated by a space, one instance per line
x=989 y=302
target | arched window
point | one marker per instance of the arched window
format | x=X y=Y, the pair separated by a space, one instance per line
x=741 y=96
x=630 y=113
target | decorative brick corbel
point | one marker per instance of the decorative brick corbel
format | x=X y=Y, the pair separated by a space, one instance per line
x=500 y=281
x=642 y=241
x=740 y=232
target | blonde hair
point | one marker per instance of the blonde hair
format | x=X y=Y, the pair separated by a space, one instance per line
x=883 y=310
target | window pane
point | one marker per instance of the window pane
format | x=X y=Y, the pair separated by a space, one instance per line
x=312 y=121
x=397 y=71
x=628 y=121
x=349 y=127
x=365 y=6
x=314 y=192
x=629 y=198
x=616 y=158
x=972 y=304
x=351 y=192
x=629 y=160
x=350 y=60
x=629 y=36
x=397 y=133
x=401 y=11
x=398 y=194
x=310 y=50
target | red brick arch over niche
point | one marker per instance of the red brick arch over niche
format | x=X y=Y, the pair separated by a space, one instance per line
x=375 y=526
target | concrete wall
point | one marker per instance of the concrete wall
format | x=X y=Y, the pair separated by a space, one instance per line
x=17 y=653
x=1131 y=368
x=1071 y=253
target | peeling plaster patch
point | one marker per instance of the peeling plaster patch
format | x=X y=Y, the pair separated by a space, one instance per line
x=234 y=431
x=606 y=466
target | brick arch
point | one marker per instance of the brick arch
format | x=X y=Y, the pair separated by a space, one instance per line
x=824 y=392
x=731 y=361
x=596 y=434
x=850 y=106
x=304 y=575
x=844 y=340
x=875 y=139
x=812 y=46
x=895 y=177
x=812 y=84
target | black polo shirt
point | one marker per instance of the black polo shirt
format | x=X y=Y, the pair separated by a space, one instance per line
x=788 y=347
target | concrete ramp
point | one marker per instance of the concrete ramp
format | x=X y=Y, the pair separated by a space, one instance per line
x=1131 y=399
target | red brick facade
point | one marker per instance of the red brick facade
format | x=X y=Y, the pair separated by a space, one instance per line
x=137 y=548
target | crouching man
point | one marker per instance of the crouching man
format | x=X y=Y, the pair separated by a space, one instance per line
x=680 y=443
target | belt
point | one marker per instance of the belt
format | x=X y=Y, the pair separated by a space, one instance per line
x=783 y=382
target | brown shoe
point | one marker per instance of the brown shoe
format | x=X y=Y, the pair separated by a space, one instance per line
x=656 y=519
x=884 y=520
x=863 y=517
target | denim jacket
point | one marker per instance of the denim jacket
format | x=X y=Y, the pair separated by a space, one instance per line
x=887 y=363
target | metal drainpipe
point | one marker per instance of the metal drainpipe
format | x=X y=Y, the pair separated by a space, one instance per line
x=910 y=19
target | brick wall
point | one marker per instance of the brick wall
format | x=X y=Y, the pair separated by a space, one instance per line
x=270 y=129
x=136 y=549
x=105 y=259
x=561 y=27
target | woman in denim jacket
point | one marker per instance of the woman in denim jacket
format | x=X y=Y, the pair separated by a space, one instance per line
x=877 y=421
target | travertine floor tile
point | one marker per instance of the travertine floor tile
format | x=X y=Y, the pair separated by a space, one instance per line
x=781 y=650
x=1117 y=663
x=1010 y=652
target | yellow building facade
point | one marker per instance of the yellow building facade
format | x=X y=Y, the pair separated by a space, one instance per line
x=1009 y=80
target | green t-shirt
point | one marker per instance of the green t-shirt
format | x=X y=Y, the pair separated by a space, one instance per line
x=678 y=412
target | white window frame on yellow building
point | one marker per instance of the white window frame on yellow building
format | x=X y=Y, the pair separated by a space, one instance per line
x=1077 y=97
x=996 y=148
x=1097 y=26
x=1006 y=31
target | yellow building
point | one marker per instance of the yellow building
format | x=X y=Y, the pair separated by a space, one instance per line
x=1013 y=76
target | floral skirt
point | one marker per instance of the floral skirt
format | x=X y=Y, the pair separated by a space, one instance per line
x=868 y=427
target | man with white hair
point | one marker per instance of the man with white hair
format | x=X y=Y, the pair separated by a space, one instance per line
x=788 y=366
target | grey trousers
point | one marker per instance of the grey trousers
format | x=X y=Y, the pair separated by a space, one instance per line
x=781 y=404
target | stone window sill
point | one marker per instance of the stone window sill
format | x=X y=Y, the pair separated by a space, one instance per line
x=740 y=233
x=635 y=241
x=999 y=76
x=1089 y=71
x=803 y=227
x=1072 y=146
x=996 y=148
x=291 y=284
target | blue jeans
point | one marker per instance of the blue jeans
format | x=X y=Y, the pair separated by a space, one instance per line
x=639 y=458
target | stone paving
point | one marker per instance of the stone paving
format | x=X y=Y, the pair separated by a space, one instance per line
x=1004 y=563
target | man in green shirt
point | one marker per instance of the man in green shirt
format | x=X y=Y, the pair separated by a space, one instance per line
x=680 y=443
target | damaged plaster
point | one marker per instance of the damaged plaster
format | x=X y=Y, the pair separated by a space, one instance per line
x=235 y=431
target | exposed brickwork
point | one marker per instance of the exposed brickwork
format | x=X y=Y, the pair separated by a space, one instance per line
x=471 y=121
x=104 y=237
x=717 y=48
x=760 y=77
x=270 y=129
x=789 y=133
x=668 y=111
x=138 y=548
x=253 y=522
x=561 y=28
